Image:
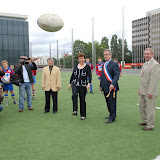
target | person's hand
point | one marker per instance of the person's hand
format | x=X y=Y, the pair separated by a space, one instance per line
x=69 y=87
x=139 y=92
x=58 y=88
x=43 y=88
x=29 y=61
x=150 y=96
x=121 y=74
x=88 y=86
x=98 y=76
x=111 y=87
x=0 y=69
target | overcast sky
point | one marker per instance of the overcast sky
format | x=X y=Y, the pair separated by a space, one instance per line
x=77 y=15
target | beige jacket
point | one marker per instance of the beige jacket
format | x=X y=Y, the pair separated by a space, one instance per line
x=51 y=81
x=149 y=80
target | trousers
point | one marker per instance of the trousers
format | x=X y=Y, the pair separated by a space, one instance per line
x=82 y=95
x=54 y=95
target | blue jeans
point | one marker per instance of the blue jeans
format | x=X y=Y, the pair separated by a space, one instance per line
x=1 y=108
x=26 y=86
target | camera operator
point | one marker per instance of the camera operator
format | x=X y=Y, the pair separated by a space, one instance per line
x=24 y=71
x=1 y=89
x=1 y=97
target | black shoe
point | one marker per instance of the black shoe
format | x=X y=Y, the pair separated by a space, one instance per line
x=46 y=112
x=106 y=118
x=54 y=112
x=92 y=92
x=110 y=121
x=74 y=113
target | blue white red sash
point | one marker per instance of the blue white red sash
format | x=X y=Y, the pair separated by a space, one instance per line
x=106 y=73
x=109 y=78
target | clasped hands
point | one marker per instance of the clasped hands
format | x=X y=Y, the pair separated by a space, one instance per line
x=88 y=87
x=148 y=95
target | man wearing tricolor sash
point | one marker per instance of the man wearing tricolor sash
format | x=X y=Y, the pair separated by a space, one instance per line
x=109 y=83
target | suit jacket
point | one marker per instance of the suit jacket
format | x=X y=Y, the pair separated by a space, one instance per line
x=51 y=80
x=149 y=80
x=114 y=72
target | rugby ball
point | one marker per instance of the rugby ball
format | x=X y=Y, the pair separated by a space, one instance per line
x=5 y=79
x=50 y=22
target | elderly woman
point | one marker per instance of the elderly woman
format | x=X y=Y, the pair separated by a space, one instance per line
x=79 y=84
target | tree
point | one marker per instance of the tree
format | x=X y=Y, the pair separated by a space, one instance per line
x=127 y=53
x=104 y=42
x=68 y=61
x=116 y=48
x=80 y=46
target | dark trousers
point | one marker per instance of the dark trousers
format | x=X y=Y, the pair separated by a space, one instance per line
x=82 y=96
x=111 y=104
x=54 y=98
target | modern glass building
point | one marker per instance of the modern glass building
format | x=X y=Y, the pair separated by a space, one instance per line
x=14 y=37
x=146 y=33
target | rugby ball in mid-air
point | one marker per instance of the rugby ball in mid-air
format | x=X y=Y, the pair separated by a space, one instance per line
x=50 y=22
x=5 y=79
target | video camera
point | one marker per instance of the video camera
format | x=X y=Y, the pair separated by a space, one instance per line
x=25 y=61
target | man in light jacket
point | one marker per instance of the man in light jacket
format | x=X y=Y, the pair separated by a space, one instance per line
x=148 y=89
x=51 y=84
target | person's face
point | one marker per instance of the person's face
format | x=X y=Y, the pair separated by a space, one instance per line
x=148 y=55
x=22 y=58
x=107 y=55
x=5 y=65
x=115 y=60
x=50 y=62
x=87 y=60
x=99 y=60
x=81 y=60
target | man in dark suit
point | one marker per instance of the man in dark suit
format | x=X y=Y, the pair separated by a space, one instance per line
x=109 y=84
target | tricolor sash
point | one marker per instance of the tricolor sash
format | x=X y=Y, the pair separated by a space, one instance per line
x=106 y=73
x=109 y=78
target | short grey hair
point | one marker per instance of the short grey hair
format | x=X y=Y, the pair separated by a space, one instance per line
x=50 y=59
x=150 y=49
x=107 y=50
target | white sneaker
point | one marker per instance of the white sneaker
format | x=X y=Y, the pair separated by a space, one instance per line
x=7 y=104
x=15 y=102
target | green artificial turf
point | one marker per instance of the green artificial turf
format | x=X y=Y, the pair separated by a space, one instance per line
x=33 y=135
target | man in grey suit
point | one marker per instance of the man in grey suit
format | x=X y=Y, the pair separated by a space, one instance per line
x=148 y=89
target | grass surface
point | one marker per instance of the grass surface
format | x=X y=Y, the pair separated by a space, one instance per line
x=32 y=135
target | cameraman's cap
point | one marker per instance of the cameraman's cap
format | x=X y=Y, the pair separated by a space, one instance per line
x=23 y=57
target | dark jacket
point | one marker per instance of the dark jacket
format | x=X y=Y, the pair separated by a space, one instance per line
x=79 y=76
x=2 y=73
x=114 y=72
x=29 y=68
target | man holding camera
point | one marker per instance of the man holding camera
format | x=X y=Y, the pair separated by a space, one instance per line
x=24 y=70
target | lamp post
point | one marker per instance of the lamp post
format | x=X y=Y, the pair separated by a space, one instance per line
x=57 y=54
x=50 y=50
x=30 y=49
x=122 y=37
x=72 y=51
x=93 y=41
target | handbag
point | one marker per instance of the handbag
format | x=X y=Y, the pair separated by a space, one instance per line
x=16 y=80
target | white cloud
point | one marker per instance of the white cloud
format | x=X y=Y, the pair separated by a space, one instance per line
x=78 y=15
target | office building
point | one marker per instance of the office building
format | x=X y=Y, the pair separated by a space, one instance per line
x=14 y=37
x=146 y=33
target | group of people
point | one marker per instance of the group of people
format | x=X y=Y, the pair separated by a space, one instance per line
x=26 y=71
x=108 y=73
